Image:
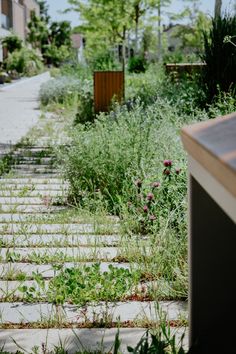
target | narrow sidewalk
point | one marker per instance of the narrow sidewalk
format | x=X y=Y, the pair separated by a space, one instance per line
x=19 y=108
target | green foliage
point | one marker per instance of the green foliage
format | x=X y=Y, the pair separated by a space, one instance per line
x=12 y=43
x=89 y=283
x=103 y=60
x=60 y=33
x=106 y=157
x=159 y=199
x=159 y=343
x=59 y=89
x=184 y=94
x=25 y=61
x=136 y=65
x=220 y=57
x=38 y=32
x=55 y=55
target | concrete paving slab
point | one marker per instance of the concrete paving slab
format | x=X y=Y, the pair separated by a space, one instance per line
x=19 y=109
x=23 y=200
x=31 y=209
x=15 y=187
x=78 y=339
x=37 y=180
x=57 y=240
x=33 y=193
x=51 y=228
x=48 y=271
x=83 y=253
x=19 y=312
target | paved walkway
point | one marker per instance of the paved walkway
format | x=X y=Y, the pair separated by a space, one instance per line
x=19 y=108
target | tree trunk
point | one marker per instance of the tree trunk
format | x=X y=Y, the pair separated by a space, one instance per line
x=159 y=47
x=136 y=28
x=218 y=5
x=124 y=47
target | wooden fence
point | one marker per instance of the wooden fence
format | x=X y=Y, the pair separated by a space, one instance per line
x=107 y=86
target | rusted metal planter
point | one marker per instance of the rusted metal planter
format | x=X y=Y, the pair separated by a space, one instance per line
x=108 y=85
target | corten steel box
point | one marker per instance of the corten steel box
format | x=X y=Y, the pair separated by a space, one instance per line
x=211 y=148
x=107 y=86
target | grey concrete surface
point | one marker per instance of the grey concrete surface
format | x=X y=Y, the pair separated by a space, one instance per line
x=19 y=108
x=18 y=312
x=78 y=339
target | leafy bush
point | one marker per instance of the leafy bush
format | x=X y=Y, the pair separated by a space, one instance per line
x=25 y=61
x=220 y=57
x=58 y=89
x=56 y=55
x=12 y=42
x=186 y=95
x=106 y=158
x=136 y=65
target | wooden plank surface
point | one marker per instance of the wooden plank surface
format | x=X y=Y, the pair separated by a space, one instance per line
x=213 y=145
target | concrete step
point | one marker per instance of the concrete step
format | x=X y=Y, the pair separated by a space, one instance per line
x=74 y=340
x=38 y=180
x=6 y=229
x=32 y=167
x=34 y=187
x=34 y=160
x=74 y=253
x=42 y=200
x=50 y=270
x=31 y=209
x=117 y=312
x=27 y=192
x=58 y=240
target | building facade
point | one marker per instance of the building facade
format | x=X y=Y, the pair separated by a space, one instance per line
x=14 y=16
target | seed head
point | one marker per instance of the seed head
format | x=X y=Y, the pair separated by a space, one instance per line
x=138 y=183
x=177 y=171
x=156 y=184
x=152 y=217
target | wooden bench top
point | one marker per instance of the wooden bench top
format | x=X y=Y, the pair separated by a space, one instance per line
x=213 y=145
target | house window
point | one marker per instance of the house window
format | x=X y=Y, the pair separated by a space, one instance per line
x=6 y=15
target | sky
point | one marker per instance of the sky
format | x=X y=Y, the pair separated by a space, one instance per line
x=56 y=6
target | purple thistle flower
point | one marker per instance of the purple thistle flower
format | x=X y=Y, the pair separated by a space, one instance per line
x=166 y=172
x=167 y=163
x=145 y=208
x=156 y=184
x=150 y=196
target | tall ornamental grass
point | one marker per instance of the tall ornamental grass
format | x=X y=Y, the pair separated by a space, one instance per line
x=220 y=57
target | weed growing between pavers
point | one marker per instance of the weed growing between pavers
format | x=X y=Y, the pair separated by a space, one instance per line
x=86 y=284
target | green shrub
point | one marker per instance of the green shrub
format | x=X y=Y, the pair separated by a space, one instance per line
x=136 y=65
x=56 y=55
x=186 y=95
x=220 y=57
x=58 y=89
x=12 y=43
x=107 y=157
x=25 y=61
